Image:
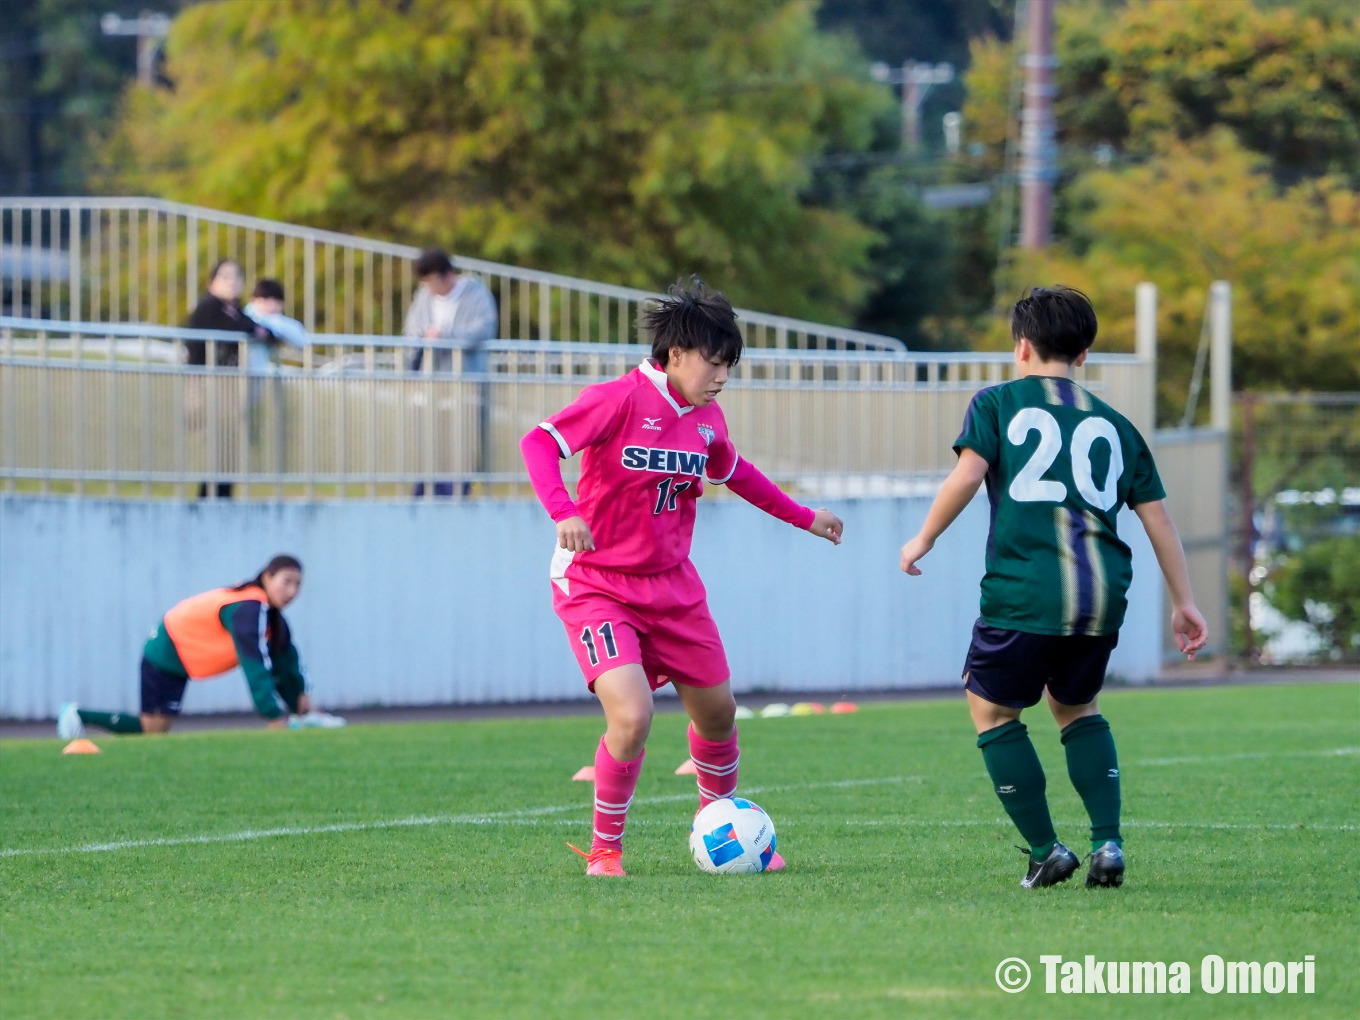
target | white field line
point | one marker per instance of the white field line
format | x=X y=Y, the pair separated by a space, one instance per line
x=961 y=822
x=1196 y=759
x=524 y=816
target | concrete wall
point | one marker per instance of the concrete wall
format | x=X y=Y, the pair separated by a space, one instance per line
x=413 y=603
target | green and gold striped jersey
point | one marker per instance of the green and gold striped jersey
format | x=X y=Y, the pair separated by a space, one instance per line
x=1061 y=465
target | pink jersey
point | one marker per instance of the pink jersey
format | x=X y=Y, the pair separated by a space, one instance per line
x=644 y=458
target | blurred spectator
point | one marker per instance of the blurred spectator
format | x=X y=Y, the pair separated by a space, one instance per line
x=451 y=307
x=220 y=308
x=266 y=309
x=460 y=311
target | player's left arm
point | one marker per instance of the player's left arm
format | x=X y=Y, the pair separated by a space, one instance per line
x=956 y=493
x=750 y=484
x=1187 y=623
x=245 y=621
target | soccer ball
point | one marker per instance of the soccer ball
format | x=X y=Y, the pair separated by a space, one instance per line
x=732 y=836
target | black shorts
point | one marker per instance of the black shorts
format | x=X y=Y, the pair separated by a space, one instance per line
x=1012 y=668
x=162 y=692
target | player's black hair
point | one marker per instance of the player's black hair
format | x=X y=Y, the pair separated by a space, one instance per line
x=432 y=263
x=279 y=636
x=1058 y=321
x=268 y=289
x=693 y=317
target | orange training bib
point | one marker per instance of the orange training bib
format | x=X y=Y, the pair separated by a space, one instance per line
x=204 y=645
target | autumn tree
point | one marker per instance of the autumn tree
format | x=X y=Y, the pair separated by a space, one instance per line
x=622 y=140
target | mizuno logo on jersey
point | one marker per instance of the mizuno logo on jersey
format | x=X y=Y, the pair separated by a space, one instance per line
x=651 y=423
x=670 y=462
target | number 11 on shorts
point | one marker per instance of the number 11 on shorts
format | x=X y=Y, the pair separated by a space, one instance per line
x=611 y=650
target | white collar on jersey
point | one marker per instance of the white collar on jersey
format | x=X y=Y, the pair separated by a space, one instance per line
x=659 y=380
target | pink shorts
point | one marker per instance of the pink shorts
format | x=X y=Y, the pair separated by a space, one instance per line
x=660 y=621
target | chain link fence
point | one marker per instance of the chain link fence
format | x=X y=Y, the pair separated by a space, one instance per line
x=1296 y=518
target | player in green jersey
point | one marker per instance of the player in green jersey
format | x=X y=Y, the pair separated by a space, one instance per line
x=1059 y=464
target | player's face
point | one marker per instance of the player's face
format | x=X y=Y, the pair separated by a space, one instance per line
x=282 y=586
x=698 y=377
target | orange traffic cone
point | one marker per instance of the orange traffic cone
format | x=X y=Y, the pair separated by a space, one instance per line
x=80 y=746
x=687 y=768
x=585 y=774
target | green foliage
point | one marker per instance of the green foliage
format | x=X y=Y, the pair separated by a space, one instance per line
x=60 y=79
x=621 y=140
x=900 y=896
x=1207 y=211
x=1320 y=585
x=1285 y=80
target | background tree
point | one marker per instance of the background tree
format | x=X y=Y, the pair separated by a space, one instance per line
x=621 y=140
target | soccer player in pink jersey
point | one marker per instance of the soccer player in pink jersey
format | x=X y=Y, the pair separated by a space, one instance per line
x=635 y=610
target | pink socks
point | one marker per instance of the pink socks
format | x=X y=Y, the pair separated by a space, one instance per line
x=615 y=782
x=716 y=761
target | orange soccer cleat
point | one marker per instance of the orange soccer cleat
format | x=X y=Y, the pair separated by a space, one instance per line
x=604 y=861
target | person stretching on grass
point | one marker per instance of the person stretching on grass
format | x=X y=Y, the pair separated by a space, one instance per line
x=635 y=611
x=1058 y=464
x=211 y=634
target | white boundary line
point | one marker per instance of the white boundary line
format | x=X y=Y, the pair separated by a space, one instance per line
x=524 y=816
x=1335 y=752
x=960 y=823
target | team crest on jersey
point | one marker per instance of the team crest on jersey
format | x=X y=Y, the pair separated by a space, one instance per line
x=707 y=432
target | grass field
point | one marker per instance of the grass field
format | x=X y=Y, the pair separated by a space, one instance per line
x=900 y=899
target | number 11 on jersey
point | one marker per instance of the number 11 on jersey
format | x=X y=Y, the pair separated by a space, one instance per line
x=667 y=492
x=611 y=649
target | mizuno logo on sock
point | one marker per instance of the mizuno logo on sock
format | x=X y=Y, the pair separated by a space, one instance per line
x=1005 y=789
x=1114 y=773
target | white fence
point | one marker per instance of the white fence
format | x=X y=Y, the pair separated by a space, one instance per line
x=147 y=260
x=111 y=409
x=419 y=603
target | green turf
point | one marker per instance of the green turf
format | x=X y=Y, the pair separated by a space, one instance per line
x=900 y=898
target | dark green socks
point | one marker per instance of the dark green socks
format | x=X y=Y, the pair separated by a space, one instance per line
x=1094 y=770
x=114 y=722
x=1018 y=779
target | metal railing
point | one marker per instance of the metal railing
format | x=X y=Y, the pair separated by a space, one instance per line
x=147 y=260
x=114 y=410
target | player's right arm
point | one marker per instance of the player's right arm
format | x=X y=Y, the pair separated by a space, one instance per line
x=588 y=420
x=1187 y=623
x=956 y=493
x=978 y=447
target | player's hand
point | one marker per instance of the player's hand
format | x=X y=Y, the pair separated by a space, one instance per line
x=827 y=525
x=1190 y=629
x=574 y=534
x=913 y=551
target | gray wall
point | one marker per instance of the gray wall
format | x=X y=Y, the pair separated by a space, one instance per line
x=418 y=603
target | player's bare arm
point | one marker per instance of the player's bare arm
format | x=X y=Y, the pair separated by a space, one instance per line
x=956 y=493
x=828 y=526
x=574 y=534
x=1187 y=623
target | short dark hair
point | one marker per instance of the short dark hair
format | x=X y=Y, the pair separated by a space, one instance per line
x=1058 y=321
x=268 y=289
x=432 y=263
x=693 y=317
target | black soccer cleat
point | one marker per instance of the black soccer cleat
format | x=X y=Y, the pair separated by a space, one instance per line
x=1106 y=868
x=1056 y=867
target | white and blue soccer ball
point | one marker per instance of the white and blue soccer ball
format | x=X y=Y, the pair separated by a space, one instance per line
x=732 y=836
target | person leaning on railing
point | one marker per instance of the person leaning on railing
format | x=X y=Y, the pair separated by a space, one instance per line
x=220 y=309
x=207 y=635
x=459 y=311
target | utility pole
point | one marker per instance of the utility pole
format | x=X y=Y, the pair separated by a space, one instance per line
x=1038 y=150
x=150 y=27
x=916 y=79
